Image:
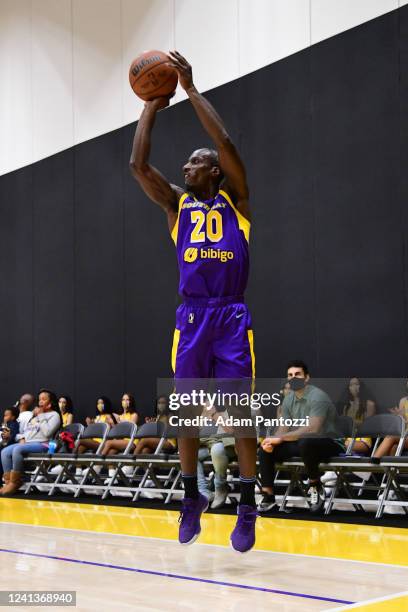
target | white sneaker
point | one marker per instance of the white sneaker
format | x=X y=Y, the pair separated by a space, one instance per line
x=78 y=471
x=329 y=477
x=150 y=495
x=39 y=487
x=391 y=509
x=127 y=470
x=57 y=469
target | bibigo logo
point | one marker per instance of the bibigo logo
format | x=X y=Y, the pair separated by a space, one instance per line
x=191 y=254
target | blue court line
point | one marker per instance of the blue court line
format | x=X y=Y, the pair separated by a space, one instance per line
x=178 y=576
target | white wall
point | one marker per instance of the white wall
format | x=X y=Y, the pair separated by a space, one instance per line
x=64 y=63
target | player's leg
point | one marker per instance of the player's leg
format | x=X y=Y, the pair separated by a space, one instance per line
x=234 y=359
x=191 y=360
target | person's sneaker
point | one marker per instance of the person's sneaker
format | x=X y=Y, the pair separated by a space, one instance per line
x=243 y=536
x=391 y=509
x=317 y=497
x=57 y=469
x=267 y=502
x=329 y=477
x=221 y=494
x=189 y=519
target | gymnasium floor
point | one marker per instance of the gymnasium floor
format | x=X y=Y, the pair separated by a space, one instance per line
x=124 y=558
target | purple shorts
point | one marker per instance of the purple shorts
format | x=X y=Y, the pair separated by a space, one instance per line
x=213 y=339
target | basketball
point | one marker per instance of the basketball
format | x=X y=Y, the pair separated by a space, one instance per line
x=150 y=77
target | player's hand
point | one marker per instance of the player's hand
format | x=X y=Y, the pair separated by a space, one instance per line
x=159 y=103
x=184 y=70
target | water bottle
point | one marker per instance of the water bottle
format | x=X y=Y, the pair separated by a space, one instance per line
x=52 y=447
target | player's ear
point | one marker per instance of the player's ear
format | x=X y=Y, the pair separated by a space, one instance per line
x=216 y=171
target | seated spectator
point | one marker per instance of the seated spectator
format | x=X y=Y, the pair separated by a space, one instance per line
x=104 y=414
x=41 y=428
x=129 y=412
x=66 y=409
x=389 y=445
x=112 y=447
x=221 y=453
x=9 y=430
x=357 y=404
x=149 y=445
x=313 y=443
x=25 y=406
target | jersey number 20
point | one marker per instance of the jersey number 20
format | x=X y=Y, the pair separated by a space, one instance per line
x=213 y=226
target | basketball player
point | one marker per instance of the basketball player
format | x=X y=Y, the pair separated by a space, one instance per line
x=209 y=222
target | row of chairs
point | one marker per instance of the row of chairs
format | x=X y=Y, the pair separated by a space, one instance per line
x=130 y=472
x=385 y=475
x=133 y=475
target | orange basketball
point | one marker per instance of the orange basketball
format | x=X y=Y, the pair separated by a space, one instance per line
x=150 y=77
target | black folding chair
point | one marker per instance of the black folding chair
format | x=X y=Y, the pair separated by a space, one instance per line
x=46 y=461
x=124 y=430
x=296 y=468
x=375 y=427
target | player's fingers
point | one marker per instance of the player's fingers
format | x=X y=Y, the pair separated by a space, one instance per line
x=173 y=56
x=180 y=58
x=175 y=65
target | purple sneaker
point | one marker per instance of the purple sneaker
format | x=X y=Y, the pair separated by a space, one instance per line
x=243 y=536
x=189 y=520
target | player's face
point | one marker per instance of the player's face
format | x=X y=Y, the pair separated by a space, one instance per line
x=197 y=170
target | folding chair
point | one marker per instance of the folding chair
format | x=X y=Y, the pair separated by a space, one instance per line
x=120 y=431
x=395 y=467
x=375 y=427
x=70 y=461
x=46 y=461
x=150 y=463
x=344 y=428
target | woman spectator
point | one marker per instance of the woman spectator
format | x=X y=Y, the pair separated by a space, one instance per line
x=66 y=410
x=104 y=414
x=357 y=404
x=112 y=447
x=389 y=445
x=149 y=445
x=41 y=428
x=129 y=412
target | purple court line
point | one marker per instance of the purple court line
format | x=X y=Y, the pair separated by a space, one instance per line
x=178 y=576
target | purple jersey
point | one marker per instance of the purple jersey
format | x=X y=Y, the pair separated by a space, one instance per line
x=211 y=238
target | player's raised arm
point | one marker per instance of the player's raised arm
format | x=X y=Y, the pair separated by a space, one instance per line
x=229 y=158
x=153 y=183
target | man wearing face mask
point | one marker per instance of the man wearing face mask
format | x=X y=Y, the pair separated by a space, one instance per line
x=313 y=443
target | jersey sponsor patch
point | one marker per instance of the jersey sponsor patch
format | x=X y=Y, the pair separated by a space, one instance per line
x=192 y=253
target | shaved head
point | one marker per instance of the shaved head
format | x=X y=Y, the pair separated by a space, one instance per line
x=211 y=154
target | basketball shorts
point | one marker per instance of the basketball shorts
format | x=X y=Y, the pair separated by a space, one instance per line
x=213 y=339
